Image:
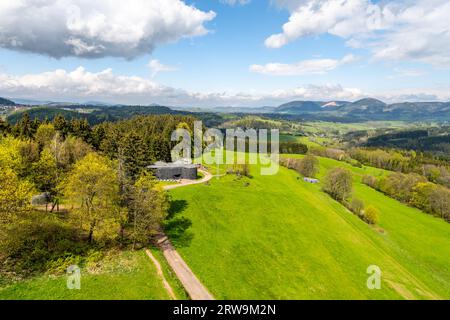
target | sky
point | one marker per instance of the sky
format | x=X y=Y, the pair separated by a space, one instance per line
x=206 y=53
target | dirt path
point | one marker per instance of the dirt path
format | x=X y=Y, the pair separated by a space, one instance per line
x=206 y=177
x=190 y=282
x=161 y=275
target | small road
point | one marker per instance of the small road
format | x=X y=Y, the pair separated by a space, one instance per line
x=206 y=177
x=192 y=285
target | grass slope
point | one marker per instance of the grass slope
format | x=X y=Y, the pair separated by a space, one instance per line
x=280 y=238
x=130 y=276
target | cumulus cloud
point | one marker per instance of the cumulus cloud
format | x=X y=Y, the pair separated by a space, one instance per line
x=93 y=29
x=313 y=66
x=156 y=67
x=416 y=95
x=81 y=85
x=395 y=30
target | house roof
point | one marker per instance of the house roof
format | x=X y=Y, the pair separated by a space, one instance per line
x=184 y=163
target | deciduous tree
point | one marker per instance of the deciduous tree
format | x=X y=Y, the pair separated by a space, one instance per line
x=15 y=195
x=93 y=183
x=149 y=207
x=338 y=183
x=309 y=166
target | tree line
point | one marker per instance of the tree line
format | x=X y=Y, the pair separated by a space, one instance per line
x=406 y=162
x=434 y=170
x=413 y=189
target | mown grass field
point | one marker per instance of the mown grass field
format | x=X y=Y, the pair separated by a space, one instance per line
x=341 y=128
x=126 y=276
x=277 y=237
x=310 y=142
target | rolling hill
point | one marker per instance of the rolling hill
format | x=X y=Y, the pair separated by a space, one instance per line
x=6 y=102
x=94 y=114
x=296 y=107
x=368 y=109
x=276 y=237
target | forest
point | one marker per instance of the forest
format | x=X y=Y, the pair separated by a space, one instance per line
x=70 y=191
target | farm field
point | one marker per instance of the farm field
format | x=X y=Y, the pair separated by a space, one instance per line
x=276 y=237
x=308 y=141
x=128 y=276
x=341 y=128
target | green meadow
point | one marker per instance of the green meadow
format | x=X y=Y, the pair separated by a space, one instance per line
x=126 y=275
x=277 y=237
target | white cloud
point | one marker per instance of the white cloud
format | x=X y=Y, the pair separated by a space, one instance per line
x=313 y=66
x=156 y=67
x=85 y=28
x=416 y=95
x=395 y=30
x=235 y=2
x=339 y=17
x=319 y=92
x=406 y=73
x=81 y=85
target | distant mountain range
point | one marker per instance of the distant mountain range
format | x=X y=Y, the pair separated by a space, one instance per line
x=362 y=110
x=228 y=109
x=6 y=102
x=368 y=109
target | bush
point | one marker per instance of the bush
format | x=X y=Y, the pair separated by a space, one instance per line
x=371 y=215
x=356 y=206
x=38 y=243
x=290 y=163
x=240 y=170
x=293 y=148
x=369 y=180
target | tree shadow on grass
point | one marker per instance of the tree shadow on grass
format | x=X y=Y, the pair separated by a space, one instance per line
x=176 y=207
x=176 y=227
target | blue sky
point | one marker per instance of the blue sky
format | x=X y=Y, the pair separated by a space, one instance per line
x=215 y=53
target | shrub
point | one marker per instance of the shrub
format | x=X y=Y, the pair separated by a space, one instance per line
x=38 y=243
x=293 y=148
x=356 y=206
x=371 y=215
x=240 y=170
x=369 y=180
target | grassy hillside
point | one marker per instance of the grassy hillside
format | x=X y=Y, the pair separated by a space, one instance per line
x=280 y=238
x=129 y=275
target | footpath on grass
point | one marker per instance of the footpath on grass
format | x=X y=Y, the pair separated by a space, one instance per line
x=161 y=275
x=192 y=285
